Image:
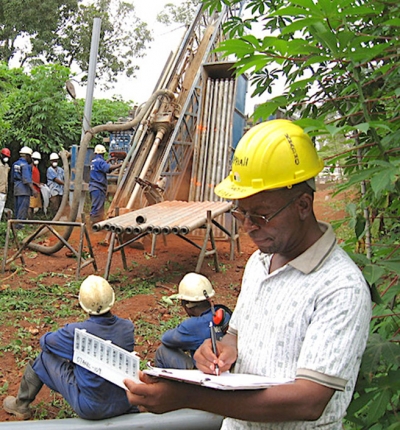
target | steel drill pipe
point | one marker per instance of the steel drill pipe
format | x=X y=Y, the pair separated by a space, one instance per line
x=186 y=214
x=142 y=215
x=156 y=221
x=200 y=220
x=126 y=219
x=175 y=211
x=138 y=228
x=107 y=224
x=159 y=214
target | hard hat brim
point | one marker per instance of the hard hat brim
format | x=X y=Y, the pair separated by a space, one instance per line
x=231 y=191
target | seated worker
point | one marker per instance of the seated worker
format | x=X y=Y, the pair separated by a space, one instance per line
x=193 y=291
x=90 y=396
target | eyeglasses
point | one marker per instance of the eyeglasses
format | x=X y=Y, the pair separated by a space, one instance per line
x=259 y=220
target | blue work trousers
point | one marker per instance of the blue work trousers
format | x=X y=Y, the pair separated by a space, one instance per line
x=60 y=377
x=173 y=358
x=98 y=198
x=21 y=207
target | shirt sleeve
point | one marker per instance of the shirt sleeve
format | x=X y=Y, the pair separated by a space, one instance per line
x=189 y=335
x=51 y=174
x=103 y=166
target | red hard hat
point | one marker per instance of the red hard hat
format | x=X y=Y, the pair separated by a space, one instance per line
x=6 y=152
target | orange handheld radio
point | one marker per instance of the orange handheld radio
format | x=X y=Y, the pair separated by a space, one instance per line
x=218 y=318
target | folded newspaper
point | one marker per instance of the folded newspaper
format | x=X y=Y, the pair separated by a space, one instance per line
x=224 y=381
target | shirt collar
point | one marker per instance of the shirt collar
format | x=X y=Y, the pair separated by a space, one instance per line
x=311 y=259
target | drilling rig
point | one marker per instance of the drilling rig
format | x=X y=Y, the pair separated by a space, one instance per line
x=186 y=140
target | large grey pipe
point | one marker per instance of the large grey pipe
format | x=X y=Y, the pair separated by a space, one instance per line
x=78 y=182
x=178 y=420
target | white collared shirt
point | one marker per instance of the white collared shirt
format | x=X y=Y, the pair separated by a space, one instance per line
x=307 y=320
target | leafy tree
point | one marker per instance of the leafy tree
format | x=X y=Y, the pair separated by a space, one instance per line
x=36 y=111
x=180 y=14
x=339 y=61
x=30 y=20
x=53 y=31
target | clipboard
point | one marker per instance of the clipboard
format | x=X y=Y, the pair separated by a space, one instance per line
x=225 y=381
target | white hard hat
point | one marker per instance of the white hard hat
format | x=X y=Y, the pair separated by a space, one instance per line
x=25 y=150
x=96 y=296
x=100 y=149
x=54 y=156
x=36 y=155
x=193 y=286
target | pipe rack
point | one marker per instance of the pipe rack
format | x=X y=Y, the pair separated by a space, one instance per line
x=169 y=217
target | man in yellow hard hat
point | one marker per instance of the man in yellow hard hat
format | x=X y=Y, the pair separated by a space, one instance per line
x=304 y=308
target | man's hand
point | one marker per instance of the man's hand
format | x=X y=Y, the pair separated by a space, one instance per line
x=206 y=360
x=157 y=395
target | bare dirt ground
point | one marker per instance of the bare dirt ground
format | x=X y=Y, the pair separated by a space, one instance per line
x=177 y=258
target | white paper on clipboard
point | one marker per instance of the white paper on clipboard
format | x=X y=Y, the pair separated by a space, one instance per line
x=105 y=359
x=225 y=381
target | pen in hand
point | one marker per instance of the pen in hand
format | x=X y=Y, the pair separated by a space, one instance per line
x=214 y=345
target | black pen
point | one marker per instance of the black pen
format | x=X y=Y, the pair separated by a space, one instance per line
x=214 y=345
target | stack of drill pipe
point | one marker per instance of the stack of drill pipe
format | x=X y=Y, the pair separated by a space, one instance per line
x=198 y=167
x=187 y=224
x=177 y=220
x=156 y=220
x=137 y=217
x=210 y=166
x=128 y=218
x=165 y=217
x=200 y=214
x=157 y=227
x=142 y=214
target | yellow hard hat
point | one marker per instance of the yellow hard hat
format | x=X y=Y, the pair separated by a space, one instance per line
x=273 y=154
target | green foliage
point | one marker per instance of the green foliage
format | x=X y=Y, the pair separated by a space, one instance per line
x=178 y=14
x=60 y=31
x=30 y=18
x=339 y=64
x=36 y=112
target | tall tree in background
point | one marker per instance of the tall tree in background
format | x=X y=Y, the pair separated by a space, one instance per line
x=34 y=32
x=178 y=14
x=35 y=110
x=339 y=62
x=25 y=23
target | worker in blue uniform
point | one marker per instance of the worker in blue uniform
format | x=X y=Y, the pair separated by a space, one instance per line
x=179 y=344
x=55 y=181
x=21 y=178
x=90 y=396
x=99 y=168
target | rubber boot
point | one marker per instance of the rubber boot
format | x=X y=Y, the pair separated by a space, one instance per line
x=28 y=389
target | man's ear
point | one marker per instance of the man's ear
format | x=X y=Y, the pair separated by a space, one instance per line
x=305 y=205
